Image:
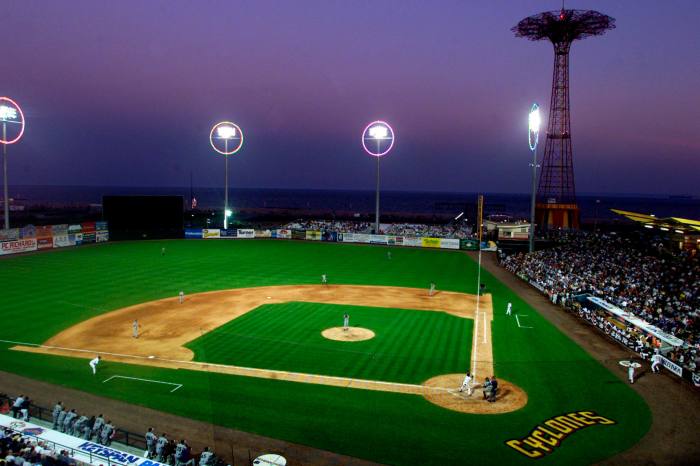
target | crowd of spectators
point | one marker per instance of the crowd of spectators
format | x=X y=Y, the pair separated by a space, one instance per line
x=97 y=429
x=25 y=450
x=659 y=286
x=455 y=230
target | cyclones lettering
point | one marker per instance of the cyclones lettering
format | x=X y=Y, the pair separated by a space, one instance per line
x=547 y=436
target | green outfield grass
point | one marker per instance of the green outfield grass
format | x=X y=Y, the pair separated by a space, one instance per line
x=45 y=293
x=409 y=346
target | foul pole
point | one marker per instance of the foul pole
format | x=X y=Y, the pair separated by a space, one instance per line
x=475 y=336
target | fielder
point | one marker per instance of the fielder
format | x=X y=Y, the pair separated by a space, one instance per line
x=388 y=255
x=509 y=309
x=630 y=372
x=94 y=363
x=162 y=251
x=656 y=362
x=135 y=329
x=346 y=321
x=324 y=279
x=467 y=384
x=181 y=296
x=431 y=291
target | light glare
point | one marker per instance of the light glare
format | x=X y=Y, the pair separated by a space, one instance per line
x=226 y=132
x=379 y=132
x=534 y=120
x=7 y=113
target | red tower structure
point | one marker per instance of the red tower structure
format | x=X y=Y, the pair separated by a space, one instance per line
x=556 y=205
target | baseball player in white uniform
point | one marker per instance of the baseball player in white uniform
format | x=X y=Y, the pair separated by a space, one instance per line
x=94 y=363
x=135 y=329
x=630 y=372
x=181 y=296
x=324 y=279
x=467 y=384
x=431 y=291
x=346 y=321
x=656 y=362
x=509 y=309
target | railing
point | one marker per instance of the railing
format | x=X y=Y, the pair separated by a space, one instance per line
x=58 y=447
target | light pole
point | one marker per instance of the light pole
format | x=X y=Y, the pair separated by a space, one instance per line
x=226 y=131
x=11 y=114
x=377 y=140
x=533 y=135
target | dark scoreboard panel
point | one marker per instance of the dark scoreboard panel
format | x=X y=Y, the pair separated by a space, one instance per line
x=143 y=217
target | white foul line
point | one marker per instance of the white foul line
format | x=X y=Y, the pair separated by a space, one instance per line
x=518 y=320
x=178 y=385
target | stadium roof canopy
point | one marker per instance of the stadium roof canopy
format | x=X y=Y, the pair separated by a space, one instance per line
x=679 y=225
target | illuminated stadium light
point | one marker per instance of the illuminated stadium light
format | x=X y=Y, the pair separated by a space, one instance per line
x=459 y=216
x=533 y=136
x=379 y=132
x=226 y=132
x=229 y=212
x=679 y=231
x=534 y=120
x=648 y=226
x=7 y=113
x=663 y=228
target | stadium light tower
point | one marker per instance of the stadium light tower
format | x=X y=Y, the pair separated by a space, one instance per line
x=10 y=114
x=533 y=136
x=227 y=134
x=377 y=140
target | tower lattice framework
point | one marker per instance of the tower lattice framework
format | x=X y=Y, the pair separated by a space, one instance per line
x=556 y=205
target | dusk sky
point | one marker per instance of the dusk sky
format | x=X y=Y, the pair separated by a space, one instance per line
x=124 y=93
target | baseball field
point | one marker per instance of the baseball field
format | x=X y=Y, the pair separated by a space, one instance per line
x=256 y=346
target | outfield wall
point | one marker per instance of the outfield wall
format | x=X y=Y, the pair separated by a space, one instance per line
x=337 y=236
x=31 y=238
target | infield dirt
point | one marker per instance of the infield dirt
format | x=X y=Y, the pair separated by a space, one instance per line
x=166 y=326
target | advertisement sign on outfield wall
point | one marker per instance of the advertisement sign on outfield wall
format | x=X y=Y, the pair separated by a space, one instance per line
x=298 y=234
x=11 y=234
x=20 y=245
x=263 y=234
x=282 y=234
x=329 y=236
x=413 y=242
x=101 y=236
x=101 y=226
x=211 y=233
x=228 y=234
x=430 y=242
x=449 y=243
x=193 y=233
x=44 y=243
x=378 y=239
x=59 y=229
x=245 y=233
x=62 y=241
x=313 y=235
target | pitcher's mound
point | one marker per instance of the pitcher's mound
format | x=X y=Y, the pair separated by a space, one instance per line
x=443 y=391
x=351 y=334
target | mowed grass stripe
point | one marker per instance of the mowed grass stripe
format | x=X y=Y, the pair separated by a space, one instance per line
x=288 y=337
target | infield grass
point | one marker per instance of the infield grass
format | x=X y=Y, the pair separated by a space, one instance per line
x=47 y=292
x=409 y=346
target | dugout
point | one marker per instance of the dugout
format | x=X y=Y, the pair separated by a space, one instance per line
x=144 y=217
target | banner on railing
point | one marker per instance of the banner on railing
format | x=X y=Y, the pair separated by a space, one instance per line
x=449 y=243
x=672 y=366
x=79 y=449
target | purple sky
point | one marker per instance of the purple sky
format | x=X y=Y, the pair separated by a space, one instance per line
x=124 y=93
